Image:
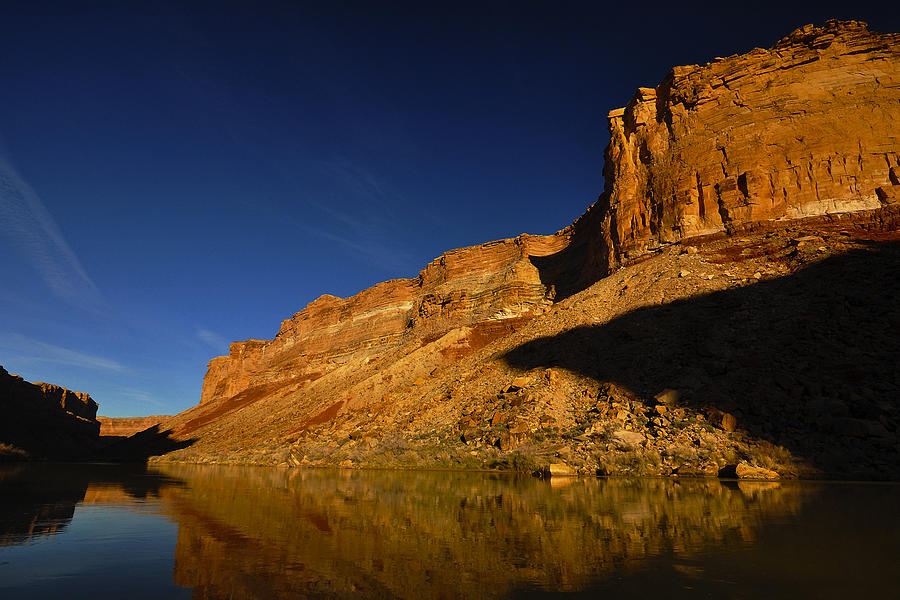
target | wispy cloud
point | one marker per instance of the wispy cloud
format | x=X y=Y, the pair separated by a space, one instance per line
x=139 y=396
x=26 y=349
x=213 y=339
x=34 y=233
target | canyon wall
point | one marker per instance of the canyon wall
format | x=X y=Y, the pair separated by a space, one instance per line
x=494 y=285
x=46 y=420
x=803 y=131
x=807 y=128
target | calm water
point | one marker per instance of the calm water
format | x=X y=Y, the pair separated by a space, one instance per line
x=78 y=531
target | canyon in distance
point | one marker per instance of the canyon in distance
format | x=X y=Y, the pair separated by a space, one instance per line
x=726 y=308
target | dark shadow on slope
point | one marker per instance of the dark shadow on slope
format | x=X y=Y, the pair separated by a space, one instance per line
x=144 y=444
x=582 y=262
x=809 y=361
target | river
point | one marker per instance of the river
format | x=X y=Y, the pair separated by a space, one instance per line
x=181 y=531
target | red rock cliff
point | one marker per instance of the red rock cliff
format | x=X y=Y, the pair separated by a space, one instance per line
x=493 y=285
x=808 y=128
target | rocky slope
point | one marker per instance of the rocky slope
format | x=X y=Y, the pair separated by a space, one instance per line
x=749 y=201
x=43 y=420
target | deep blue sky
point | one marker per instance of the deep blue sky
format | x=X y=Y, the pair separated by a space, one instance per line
x=177 y=175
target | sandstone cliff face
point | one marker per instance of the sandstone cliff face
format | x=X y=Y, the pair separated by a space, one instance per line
x=807 y=128
x=801 y=141
x=494 y=283
x=46 y=420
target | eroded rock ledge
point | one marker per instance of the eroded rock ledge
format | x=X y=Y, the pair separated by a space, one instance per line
x=491 y=288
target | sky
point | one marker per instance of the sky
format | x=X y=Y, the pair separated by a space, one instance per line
x=175 y=176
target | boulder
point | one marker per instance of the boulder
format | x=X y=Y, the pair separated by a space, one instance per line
x=624 y=439
x=558 y=470
x=744 y=470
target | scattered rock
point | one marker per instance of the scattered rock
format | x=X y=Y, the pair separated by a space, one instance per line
x=519 y=382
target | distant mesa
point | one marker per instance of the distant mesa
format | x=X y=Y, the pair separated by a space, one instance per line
x=117 y=428
x=43 y=421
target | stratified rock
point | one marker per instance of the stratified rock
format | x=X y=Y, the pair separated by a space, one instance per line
x=770 y=135
x=502 y=353
x=489 y=288
x=122 y=427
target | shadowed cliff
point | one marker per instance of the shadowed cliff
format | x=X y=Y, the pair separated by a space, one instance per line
x=153 y=441
x=810 y=361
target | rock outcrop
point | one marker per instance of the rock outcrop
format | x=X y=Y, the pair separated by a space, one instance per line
x=44 y=420
x=770 y=161
x=489 y=288
x=807 y=128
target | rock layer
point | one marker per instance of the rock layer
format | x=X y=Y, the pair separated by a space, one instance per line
x=494 y=285
x=121 y=427
x=807 y=128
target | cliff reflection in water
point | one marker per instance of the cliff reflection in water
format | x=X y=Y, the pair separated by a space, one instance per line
x=39 y=499
x=256 y=532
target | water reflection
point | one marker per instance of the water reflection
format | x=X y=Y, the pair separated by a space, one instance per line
x=248 y=532
x=39 y=499
x=278 y=533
